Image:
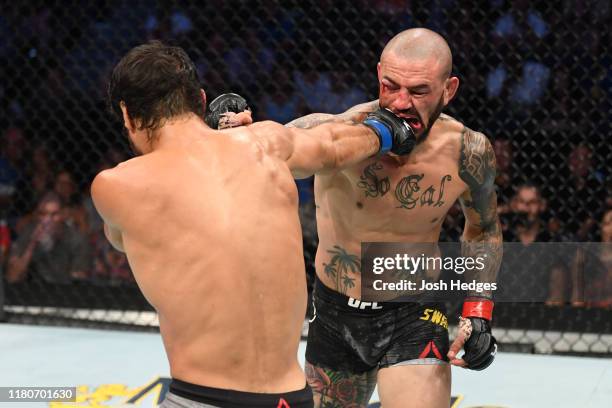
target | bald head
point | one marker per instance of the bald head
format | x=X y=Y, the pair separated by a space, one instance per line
x=421 y=44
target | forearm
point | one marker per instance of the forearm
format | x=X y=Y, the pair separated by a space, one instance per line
x=312 y=120
x=482 y=235
x=330 y=147
x=351 y=144
x=356 y=114
x=484 y=242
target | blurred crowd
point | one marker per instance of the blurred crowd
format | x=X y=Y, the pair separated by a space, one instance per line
x=50 y=229
x=536 y=79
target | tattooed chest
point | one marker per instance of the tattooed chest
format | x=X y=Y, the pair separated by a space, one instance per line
x=409 y=190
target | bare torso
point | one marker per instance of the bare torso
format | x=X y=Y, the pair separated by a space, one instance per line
x=386 y=199
x=213 y=238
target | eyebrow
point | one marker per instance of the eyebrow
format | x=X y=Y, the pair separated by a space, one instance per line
x=420 y=87
x=390 y=80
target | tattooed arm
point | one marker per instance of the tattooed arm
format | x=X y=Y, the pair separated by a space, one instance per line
x=355 y=114
x=482 y=232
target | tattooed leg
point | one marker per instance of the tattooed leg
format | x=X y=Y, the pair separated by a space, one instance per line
x=340 y=389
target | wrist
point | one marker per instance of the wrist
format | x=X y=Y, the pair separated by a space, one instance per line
x=482 y=308
x=385 y=138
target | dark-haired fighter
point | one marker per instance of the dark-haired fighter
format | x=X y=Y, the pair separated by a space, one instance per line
x=209 y=222
x=404 y=347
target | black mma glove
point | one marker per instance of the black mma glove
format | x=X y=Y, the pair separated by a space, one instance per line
x=394 y=133
x=480 y=347
x=229 y=102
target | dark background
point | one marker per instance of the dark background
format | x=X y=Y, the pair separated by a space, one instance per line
x=536 y=78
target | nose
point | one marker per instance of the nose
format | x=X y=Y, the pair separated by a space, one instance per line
x=403 y=101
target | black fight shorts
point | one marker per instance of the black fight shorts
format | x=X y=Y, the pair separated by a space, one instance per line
x=346 y=334
x=186 y=395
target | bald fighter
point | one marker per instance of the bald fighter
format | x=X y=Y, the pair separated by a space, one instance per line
x=352 y=346
x=209 y=222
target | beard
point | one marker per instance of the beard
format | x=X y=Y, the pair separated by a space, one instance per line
x=433 y=117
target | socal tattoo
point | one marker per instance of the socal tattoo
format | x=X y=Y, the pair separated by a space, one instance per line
x=339 y=389
x=371 y=184
x=407 y=189
x=340 y=265
x=483 y=237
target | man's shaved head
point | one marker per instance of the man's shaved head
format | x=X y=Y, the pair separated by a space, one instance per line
x=414 y=78
x=421 y=44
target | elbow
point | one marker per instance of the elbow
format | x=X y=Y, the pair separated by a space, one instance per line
x=484 y=232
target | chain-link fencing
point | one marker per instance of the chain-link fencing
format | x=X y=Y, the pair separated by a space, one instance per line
x=535 y=77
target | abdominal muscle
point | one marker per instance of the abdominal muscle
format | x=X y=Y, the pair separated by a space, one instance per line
x=338 y=259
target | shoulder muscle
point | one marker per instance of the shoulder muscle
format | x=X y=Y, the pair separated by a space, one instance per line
x=477 y=164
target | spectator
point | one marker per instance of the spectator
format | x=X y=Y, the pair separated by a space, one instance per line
x=109 y=265
x=504 y=182
x=531 y=269
x=13 y=148
x=75 y=214
x=248 y=60
x=283 y=104
x=40 y=170
x=11 y=161
x=525 y=223
x=48 y=249
x=313 y=85
x=521 y=79
x=592 y=270
x=578 y=202
x=520 y=22
x=344 y=92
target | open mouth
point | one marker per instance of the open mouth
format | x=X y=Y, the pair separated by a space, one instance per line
x=414 y=123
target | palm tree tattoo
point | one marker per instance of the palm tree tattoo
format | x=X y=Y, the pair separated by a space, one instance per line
x=340 y=266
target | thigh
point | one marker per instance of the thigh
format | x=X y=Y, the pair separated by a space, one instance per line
x=340 y=389
x=348 y=341
x=417 y=385
x=421 y=337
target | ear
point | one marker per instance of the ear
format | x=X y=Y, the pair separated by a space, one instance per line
x=203 y=95
x=450 y=89
x=543 y=204
x=378 y=71
x=127 y=121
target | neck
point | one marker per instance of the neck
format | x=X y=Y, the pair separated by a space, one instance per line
x=178 y=132
x=531 y=229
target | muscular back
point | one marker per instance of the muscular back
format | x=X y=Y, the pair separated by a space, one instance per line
x=213 y=238
x=387 y=199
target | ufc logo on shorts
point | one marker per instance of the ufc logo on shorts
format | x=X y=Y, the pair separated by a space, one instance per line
x=358 y=304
